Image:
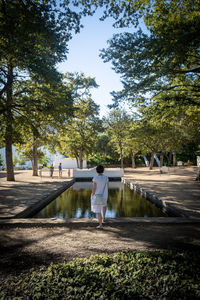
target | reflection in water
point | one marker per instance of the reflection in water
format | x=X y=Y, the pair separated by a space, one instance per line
x=122 y=202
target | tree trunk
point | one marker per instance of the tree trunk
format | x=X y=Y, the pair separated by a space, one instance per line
x=77 y=162
x=170 y=158
x=9 y=130
x=9 y=161
x=122 y=160
x=81 y=159
x=133 y=160
x=35 y=159
x=174 y=158
x=161 y=160
x=151 y=161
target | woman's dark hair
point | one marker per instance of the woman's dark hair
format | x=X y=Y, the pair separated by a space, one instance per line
x=100 y=169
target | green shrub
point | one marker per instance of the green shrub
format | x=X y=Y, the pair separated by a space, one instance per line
x=126 y=275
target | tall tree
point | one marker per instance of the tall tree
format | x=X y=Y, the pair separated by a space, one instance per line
x=163 y=60
x=80 y=133
x=163 y=129
x=77 y=138
x=41 y=110
x=34 y=36
x=118 y=126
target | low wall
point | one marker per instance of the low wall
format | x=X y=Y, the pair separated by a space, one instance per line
x=116 y=173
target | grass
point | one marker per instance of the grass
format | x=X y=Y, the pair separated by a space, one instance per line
x=125 y=275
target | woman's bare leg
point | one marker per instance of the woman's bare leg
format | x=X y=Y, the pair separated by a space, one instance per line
x=104 y=212
x=99 y=216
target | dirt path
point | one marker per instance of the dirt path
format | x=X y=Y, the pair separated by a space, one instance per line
x=27 y=246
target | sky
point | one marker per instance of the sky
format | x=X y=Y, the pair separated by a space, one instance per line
x=83 y=56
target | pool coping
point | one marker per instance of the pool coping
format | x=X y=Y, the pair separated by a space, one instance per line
x=175 y=215
x=168 y=207
x=22 y=222
x=40 y=204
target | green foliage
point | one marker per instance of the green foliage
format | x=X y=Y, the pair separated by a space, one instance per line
x=15 y=160
x=126 y=275
x=165 y=59
x=34 y=38
x=123 y=12
x=103 y=153
x=117 y=125
x=26 y=154
x=1 y=160
x=77 y=136
x=98 y=158
x=21 y=160
x=44 y=160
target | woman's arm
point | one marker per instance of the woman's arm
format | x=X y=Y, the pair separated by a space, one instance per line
x=94 y=188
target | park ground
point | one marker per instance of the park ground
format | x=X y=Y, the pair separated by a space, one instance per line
x=31 y=243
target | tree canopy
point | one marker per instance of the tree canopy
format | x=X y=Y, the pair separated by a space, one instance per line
x=163 y=61
x=34 y=38
x=78 y=134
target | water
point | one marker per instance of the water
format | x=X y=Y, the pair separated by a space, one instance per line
x=122 y=202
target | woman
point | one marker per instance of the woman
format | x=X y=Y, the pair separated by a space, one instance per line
x=60 y=170
x=51 y=170
x=100 y=186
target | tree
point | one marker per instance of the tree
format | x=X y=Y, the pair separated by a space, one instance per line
x=163 y=129
x=80 y=133
x=77 y=138
x=34 y=37
x=27 y=155
x=118 y=126
x=1 y=160
x=103 y=152
x=134 y=143
x=165 y=60
x=46 y=108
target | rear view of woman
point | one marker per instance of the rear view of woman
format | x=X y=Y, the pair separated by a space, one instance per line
x=100 y=187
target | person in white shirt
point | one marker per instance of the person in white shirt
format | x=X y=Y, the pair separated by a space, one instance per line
x=100 y=186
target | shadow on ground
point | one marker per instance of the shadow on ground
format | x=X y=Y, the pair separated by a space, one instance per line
x=24 y=247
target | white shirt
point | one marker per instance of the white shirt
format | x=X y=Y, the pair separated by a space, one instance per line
x=102 y=185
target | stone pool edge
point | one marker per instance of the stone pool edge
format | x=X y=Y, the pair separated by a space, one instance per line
x=40 y=204
x=176 y=215
x=168 y=207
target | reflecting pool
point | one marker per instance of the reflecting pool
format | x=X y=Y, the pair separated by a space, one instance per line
x=122 y=202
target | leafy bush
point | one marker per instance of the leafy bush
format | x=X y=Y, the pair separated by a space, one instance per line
x=99 y=158
x=126 y=275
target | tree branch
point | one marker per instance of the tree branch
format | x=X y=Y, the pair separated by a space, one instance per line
x=195 y=70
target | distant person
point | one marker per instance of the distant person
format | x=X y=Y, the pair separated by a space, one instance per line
x=60 y=170
x=68 y=172
x=100 y=187
x=51 y=170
